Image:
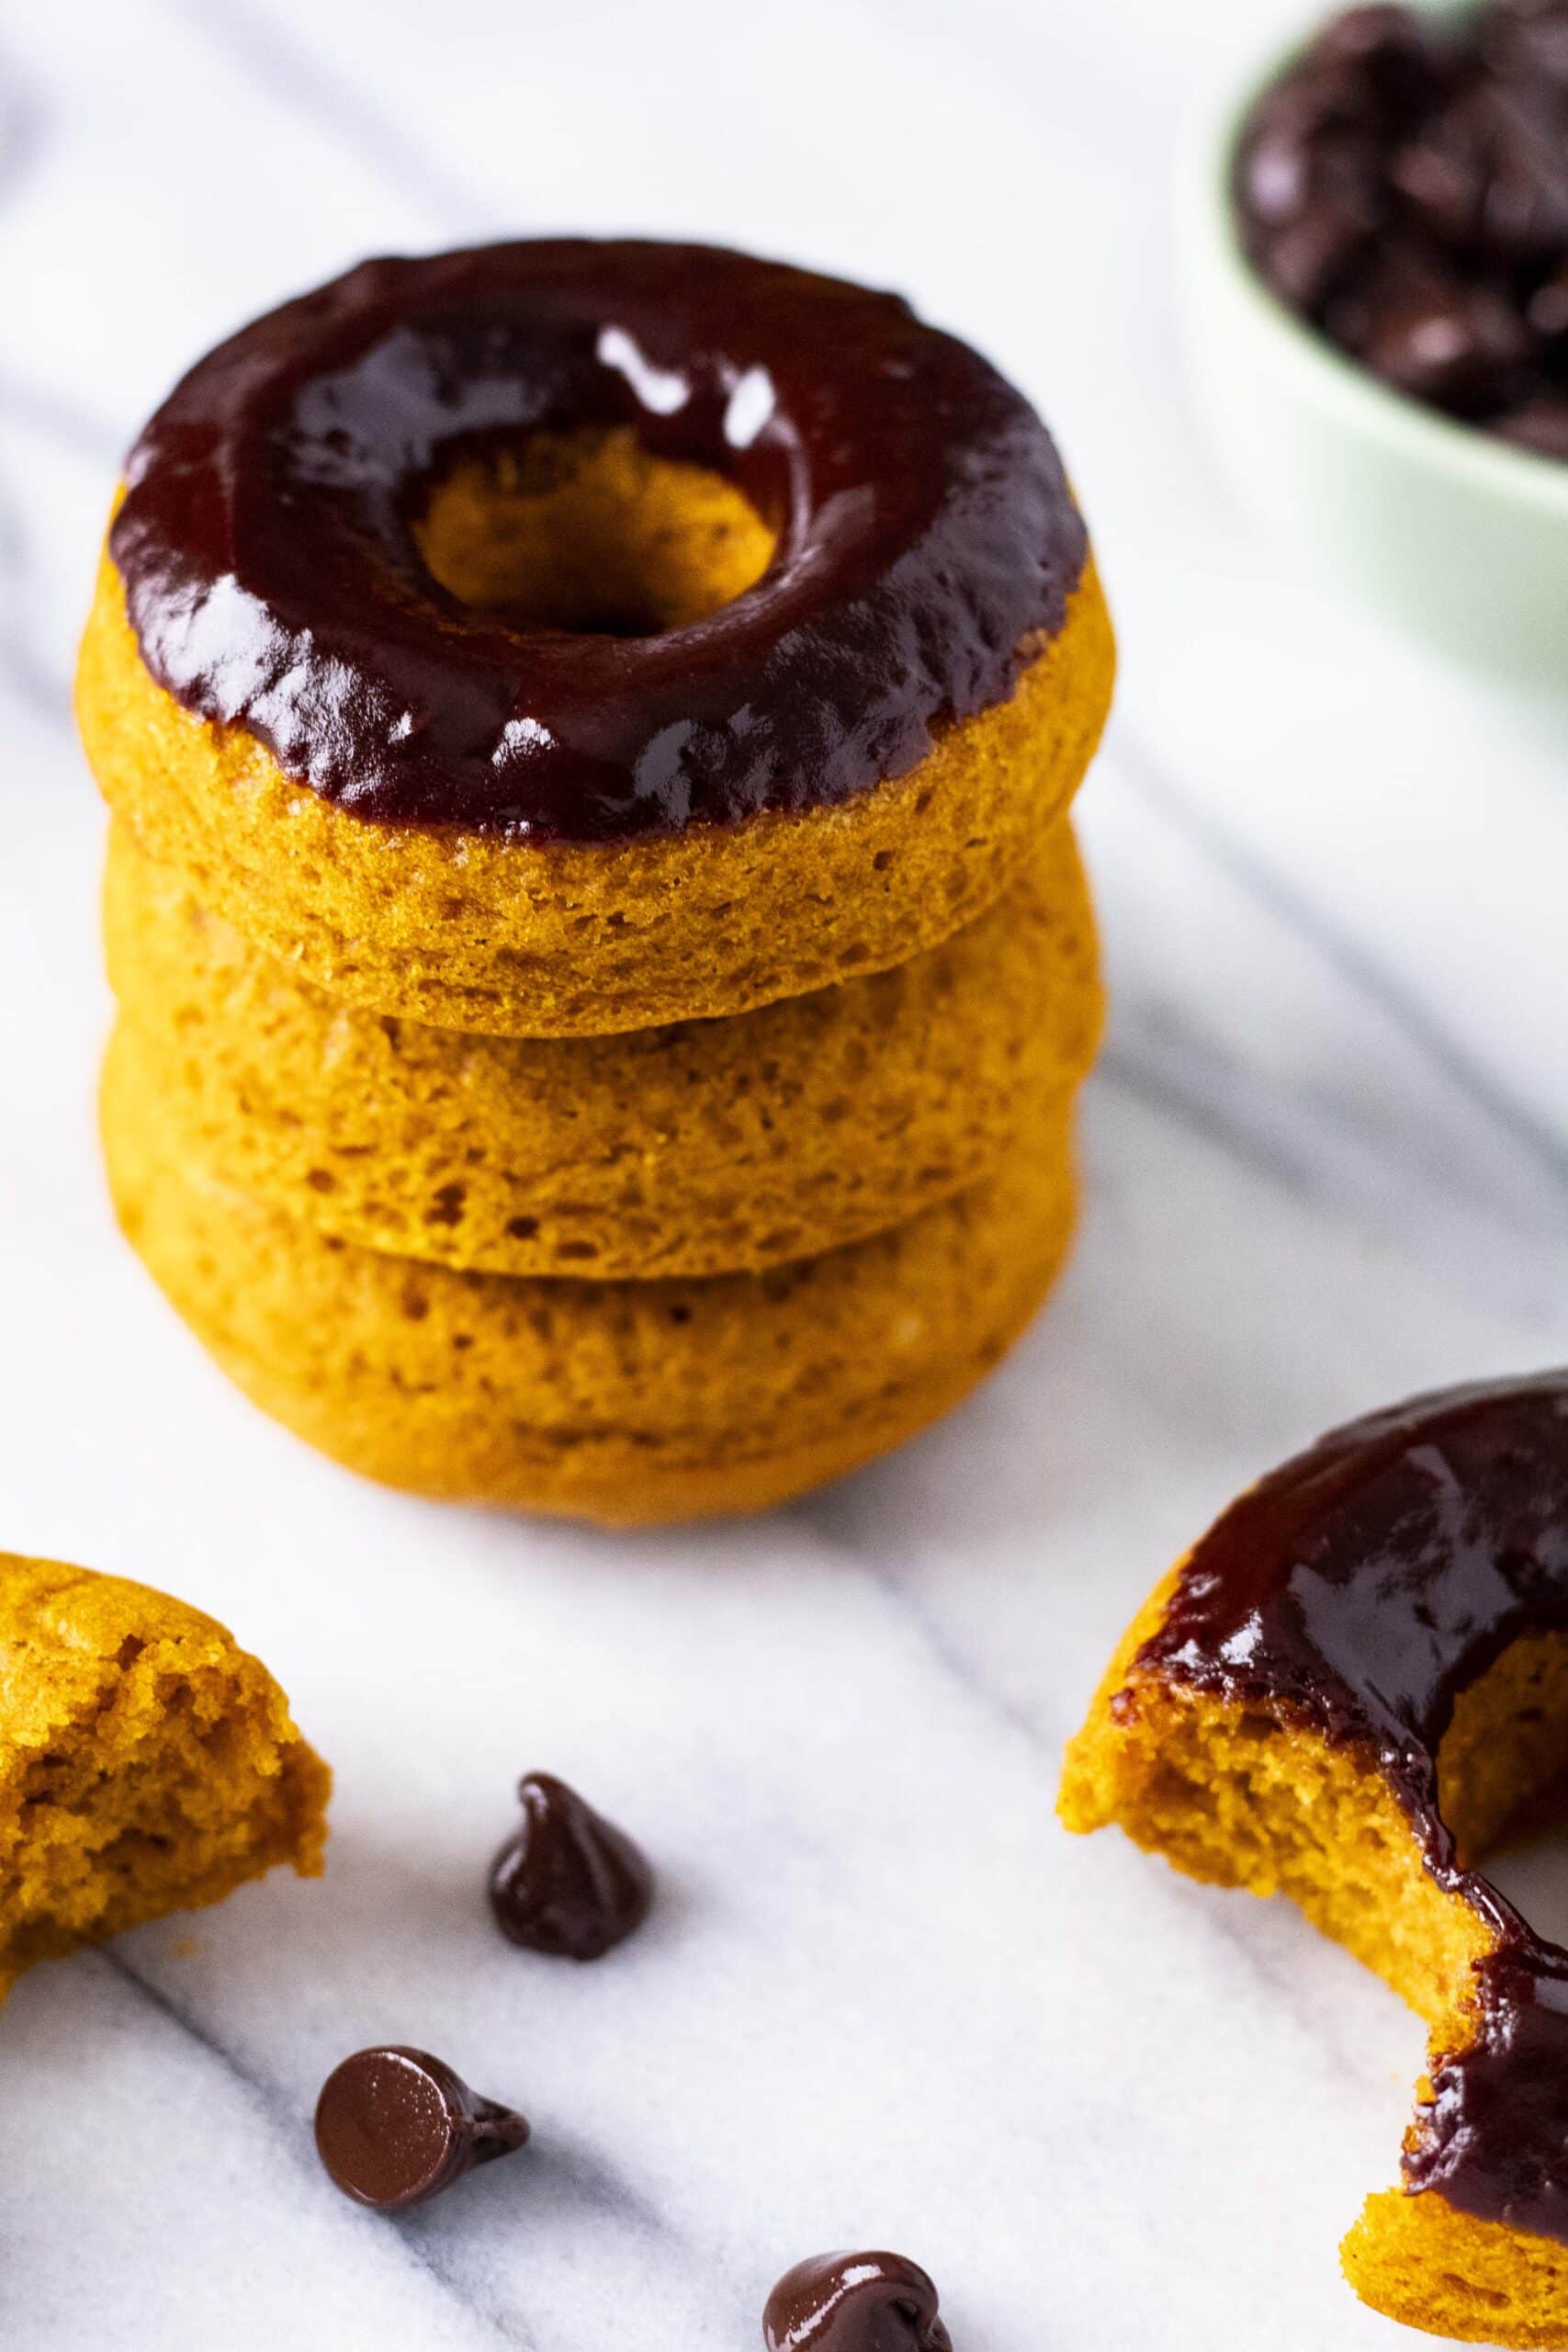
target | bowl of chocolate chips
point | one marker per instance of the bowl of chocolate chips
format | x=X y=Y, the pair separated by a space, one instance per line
x=1377 y=267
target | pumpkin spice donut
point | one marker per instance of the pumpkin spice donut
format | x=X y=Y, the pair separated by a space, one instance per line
x=1352 y=1689
x=147 y=1763
x=712 y=1147
x=629 y=1403
x=568 y=636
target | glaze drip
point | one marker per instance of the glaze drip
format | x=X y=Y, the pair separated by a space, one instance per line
x=1363 y=1586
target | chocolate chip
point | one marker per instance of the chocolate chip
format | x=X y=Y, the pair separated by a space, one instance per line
x=1546 y=308
x=1525 y=204
x=855 y=2303
x=1540 y=424
x=1370 y=36
x=1276 y=176
x=1309 y=259
x=1391 y=58
x=1441 y=176
x=1404 y=187
x=395 y=2126
x=1529 y=37
x=1460 y=347
x=569 y=1883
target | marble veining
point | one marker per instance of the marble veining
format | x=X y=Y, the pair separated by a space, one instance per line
x=882 y=1999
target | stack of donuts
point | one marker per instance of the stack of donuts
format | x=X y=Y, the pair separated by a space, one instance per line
x=603 y=963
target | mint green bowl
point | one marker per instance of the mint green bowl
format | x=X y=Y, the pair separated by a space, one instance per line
x=1453 y=536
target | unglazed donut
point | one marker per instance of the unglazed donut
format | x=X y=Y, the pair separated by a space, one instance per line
x=629 y=1403
x=865 y=664
x=147 y=1763
x=712 y=1147
x=1354 y=1686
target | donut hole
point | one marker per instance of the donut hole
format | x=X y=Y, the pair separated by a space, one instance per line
x=590 y=531
x=1503 y=1766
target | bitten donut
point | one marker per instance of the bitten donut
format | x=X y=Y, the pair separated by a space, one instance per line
x=147 y=1763
x=569 y=636
x=1354 y=1686
x=712 y=1147
x=629 y=1403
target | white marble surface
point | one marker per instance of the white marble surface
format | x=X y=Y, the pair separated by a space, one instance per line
x=883 y=1999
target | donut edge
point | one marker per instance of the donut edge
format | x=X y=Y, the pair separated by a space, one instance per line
x=463 y=931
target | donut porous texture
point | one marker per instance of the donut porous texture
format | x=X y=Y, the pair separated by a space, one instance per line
x=706 y=1147
x=567 y=638
x=629 y=1403
x=147 y=1763
x=1350 y=1691
x=604 y=965
x=467 y=930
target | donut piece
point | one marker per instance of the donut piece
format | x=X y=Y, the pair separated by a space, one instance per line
x=709 y=1147
x=628 y=1403
x=1354 y=1686
x=361 y=660
x=147 y=1764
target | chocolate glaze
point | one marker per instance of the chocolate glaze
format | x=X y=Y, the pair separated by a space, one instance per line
x=1360 y=1589
x=569 y=1883
x=927 y=539
x=395 y=2126
x=855 y=2303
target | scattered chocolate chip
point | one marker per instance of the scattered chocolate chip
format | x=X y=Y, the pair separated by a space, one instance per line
x=569 y=1883
x=395 y=2126
x=855 y=2303
x=1404 y=187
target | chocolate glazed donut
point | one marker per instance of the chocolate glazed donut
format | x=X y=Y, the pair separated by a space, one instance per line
x=489 y=816
x=1386 y=1618
x=1367 y=1584
x=925 y=537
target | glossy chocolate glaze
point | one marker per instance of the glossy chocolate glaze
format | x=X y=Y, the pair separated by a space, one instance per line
x=569 y=1883
x=395 y=2127
x=855 y=2303
x=927 y=541
x=1361 y=1588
